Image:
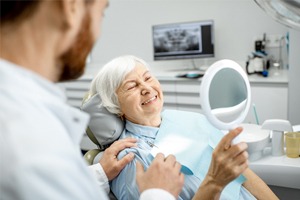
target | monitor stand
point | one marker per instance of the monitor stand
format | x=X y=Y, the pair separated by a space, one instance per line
x=193 y=67
x=203 y=67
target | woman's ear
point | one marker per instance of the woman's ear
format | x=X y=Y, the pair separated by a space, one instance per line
x=122 y=116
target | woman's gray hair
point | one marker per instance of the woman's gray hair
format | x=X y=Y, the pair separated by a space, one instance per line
x=109 y=79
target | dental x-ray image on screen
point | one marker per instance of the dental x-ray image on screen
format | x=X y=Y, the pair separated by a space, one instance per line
x=183 y=40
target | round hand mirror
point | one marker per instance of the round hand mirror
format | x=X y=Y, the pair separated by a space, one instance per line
x=225 y=94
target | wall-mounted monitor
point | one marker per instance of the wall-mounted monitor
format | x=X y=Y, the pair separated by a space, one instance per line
x=186 y=40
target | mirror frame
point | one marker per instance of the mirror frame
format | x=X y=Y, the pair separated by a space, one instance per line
x=204 y=93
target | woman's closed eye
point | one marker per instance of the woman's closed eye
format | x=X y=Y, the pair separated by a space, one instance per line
x=131 y=86
x=147 y=78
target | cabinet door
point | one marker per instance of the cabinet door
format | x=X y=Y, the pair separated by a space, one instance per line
x=270 y=100
x=187 y=95
x=169 y=91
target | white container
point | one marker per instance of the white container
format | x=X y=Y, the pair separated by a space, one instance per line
x=256 y=138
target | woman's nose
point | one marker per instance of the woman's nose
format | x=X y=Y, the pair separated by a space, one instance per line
x=146 y=89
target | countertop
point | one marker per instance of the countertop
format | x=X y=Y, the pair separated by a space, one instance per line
x=280 y=76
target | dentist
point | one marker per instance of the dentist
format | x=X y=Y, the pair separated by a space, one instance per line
x=44 y=42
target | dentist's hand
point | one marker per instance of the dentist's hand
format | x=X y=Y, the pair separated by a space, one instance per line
x=228 y=162
x=163 y=173
x=109 y=161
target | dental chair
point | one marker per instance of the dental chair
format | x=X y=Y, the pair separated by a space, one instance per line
x=103 y=129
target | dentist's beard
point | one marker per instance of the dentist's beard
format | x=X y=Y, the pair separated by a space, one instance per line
x=74 y=60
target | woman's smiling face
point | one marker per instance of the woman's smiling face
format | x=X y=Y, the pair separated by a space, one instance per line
x=140 y=97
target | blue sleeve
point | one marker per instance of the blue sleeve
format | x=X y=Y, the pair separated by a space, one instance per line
x=124 y=185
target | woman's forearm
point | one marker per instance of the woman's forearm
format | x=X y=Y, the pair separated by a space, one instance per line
x=257 y=187
x=208 y=190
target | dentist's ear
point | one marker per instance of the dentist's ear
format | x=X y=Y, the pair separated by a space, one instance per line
x=73 y=12
x=68 y=19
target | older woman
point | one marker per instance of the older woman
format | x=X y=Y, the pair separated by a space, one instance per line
x=128 y=89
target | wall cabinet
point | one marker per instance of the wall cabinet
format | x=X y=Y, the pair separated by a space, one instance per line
x=181 y=94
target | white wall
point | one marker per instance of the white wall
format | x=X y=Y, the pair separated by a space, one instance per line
x=294 y=78
x=127 y=27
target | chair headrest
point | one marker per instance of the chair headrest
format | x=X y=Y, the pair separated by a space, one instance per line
x=104 y=126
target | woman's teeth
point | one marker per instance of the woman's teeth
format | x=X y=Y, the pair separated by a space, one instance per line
x=149 y=100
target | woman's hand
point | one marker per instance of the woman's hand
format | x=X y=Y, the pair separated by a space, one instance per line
x=109 y=161
x=228 y=162
x=163 y=173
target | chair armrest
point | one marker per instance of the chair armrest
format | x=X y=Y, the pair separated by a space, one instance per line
x=90 y=155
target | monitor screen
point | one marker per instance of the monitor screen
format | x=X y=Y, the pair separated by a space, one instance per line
x=183 y=40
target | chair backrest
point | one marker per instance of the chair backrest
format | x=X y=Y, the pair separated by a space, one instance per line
x=104 y=127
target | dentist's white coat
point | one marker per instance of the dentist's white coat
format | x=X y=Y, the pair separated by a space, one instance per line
x=40 y=134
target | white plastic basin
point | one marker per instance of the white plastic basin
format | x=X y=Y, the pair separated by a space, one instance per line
x=256 y=138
